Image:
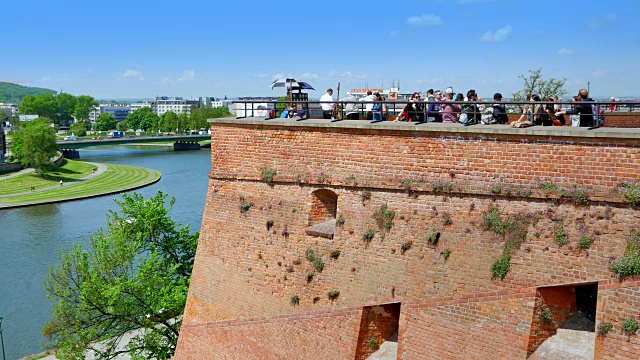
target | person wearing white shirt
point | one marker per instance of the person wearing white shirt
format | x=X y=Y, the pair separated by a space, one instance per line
x=368 y=106
x=352 y=109
x=327 y=107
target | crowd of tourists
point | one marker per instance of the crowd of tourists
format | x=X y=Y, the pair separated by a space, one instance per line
x=449 y=107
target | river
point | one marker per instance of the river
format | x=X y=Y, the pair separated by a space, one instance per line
x=30 y=236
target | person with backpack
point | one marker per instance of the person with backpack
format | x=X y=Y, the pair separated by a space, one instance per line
x=473 y=113
x=495 y=114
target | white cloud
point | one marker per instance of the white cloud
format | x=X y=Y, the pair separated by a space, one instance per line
x=165 y=80
x=261 y=75
x=565 y=52
x=601 y=22
x=580 y=82
x=309 y=76
x=425 y=20
x=499 y=35
x=187 y=75
x=133 y=74
x=394 y=34
x=46 y=78
x=599 y=73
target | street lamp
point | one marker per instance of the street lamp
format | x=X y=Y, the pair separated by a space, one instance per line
x=2 y=339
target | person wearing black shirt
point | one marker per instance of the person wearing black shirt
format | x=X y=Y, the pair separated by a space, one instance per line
x=585 y=110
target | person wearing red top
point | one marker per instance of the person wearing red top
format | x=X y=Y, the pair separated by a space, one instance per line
x=612 y=107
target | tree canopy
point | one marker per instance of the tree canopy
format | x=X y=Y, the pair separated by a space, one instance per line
x=141 y=117
x=105 y=122
x=84 y=105
x=132 y=280
x=35 y=145
x=61 y=108
x=535 y=83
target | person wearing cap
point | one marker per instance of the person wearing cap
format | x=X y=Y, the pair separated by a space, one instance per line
x=351 y=109
x=449 y=111
x=499 y=113
x=327 y=106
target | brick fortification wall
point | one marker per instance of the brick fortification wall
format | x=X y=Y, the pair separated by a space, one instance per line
x=257 y=294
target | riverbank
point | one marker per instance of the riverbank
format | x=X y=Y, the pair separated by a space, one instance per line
x=27 y=188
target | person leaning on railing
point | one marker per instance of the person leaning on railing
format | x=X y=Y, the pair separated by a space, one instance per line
x=585 y=110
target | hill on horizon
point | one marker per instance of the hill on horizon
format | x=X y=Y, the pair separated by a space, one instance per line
x=14 y=93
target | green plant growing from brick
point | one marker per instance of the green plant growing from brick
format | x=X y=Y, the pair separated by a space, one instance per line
x=578 y=196
x=434 y=238
x=514 y=233
x=310 y=276
x=295 y=300
x=279 y=263
x=318 y=264
x=501 y=266
x=630 y=264
x=340 y=220
x=585 y=242
x=269 y=224
x=604 y=328
x=548 y=186
x=560 y=237
x=335 y=254
x=630 y=327
x=496 y=189
x=442 y=186
x=445 y=254
x=290 y=269
x=267 y=175
x=366 y=195
x=333 y=294
x=373 y=344
x=406 y=246
x=244 y=206
x=297 y=262
x=384 y=217
x=631 y=192
x=311 y=256
x=368 y=236
x=545 y=316
x=406 y=184
x=446 y=219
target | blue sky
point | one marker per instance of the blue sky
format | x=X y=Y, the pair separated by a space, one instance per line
x=136 y=49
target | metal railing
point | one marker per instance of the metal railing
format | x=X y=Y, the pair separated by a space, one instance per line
x=303 y=110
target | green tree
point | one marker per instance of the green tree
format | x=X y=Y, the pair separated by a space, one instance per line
x=105 y=122
x=79 y=129
x=35 y=145
x=43 y=105
x=133 y=276
x=149 y=121
x=84 y=106
x=535 y=83
x=183 y=123
x=135 y=119
x=169 y=122
x=65 y=107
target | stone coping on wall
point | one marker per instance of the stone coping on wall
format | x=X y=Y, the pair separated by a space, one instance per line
x=553 y=131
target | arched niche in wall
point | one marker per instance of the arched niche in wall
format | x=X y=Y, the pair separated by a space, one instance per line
x=322 y=213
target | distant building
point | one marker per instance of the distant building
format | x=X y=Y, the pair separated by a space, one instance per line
x=178 y=105
x=28 y=117
x=120 y=112
x=138 y=106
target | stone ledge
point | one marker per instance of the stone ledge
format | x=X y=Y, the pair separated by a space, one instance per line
x=558 y=131
x=325 y=229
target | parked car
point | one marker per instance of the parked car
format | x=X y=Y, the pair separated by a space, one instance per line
x=70 y=138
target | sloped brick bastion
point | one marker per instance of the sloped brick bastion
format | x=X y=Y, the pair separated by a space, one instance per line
x=321 y=240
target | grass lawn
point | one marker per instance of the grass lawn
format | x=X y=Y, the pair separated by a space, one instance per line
x=115 y=179
x=69 y=171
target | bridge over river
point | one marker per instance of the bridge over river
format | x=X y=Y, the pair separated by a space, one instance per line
x=82 y=143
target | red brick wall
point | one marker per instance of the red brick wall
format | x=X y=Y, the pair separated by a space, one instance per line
x=244 y=270
x=618 y=300
x=612 y=120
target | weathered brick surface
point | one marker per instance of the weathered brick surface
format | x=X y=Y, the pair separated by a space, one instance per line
x=450 y=309
x=618 y=301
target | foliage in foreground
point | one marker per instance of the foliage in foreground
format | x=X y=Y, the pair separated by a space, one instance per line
x=134 y=276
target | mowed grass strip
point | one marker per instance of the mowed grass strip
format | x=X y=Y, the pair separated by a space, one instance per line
x=70 y=170
x=115 y=179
